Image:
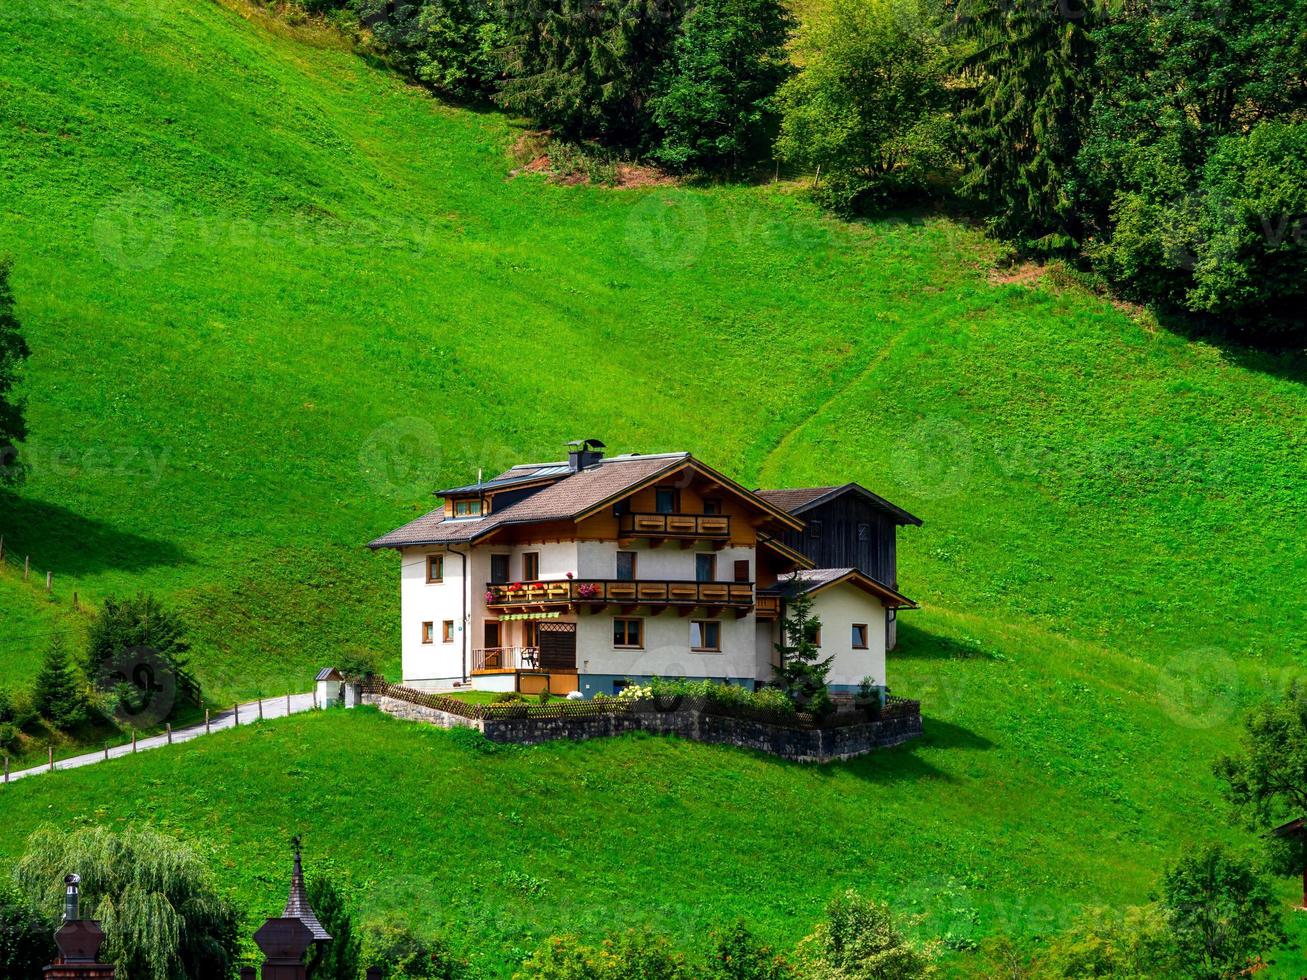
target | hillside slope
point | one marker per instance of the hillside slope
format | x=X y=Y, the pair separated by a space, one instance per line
x=276 y=296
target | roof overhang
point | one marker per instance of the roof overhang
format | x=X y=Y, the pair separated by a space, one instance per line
x=890 y=598
x=900 y=515
x=786 y=552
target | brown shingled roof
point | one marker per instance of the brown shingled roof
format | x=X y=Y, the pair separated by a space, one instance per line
x=565 y=500
x=788 y=500
x=797 y=499
x=807 y=580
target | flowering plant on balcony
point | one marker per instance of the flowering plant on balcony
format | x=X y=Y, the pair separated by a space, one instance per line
x=490 y=595
x=588 y=590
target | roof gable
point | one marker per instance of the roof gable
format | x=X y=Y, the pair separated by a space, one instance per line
x=797 y=500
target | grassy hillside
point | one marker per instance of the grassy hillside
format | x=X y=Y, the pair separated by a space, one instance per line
x=276 y=296
x=497 y=849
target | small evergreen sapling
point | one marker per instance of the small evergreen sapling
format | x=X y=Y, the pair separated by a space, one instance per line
x=56 y=693
x=801 y=674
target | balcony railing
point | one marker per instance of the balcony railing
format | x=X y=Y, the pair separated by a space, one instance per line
x=708 y=527
x=599 y=592
x=505 y=658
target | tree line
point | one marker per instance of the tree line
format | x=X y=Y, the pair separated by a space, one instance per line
x=1160 y=145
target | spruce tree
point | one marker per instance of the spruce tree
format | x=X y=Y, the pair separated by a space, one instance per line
x=13 y=351
x=56 y=693
x=1029 y=64
x=801 y=675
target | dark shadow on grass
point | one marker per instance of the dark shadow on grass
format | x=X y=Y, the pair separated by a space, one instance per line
x=66 y=543
x=1276 y=356
x=915 y=643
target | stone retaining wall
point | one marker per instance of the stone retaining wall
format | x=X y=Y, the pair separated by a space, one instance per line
x=795 y=744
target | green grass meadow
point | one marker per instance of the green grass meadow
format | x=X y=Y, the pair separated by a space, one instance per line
x=276 y=296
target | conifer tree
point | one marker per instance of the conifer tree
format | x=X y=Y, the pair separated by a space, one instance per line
x=13 y=350
x=56 y=693
x=338 y=959
x=1029 y=63
x=801 y=675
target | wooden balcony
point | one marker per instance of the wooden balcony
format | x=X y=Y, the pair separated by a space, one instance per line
x=686 y=528
x=769 y=607
x=596 y=594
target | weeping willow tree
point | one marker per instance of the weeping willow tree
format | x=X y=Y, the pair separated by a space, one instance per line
x=162 y=915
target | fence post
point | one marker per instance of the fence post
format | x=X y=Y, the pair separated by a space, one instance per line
x=133 y=739
x=106 y=751
x=52 y=758
x=6 y=769
x=260 y=709
x=288 y=704
x=2 y=547
x=49 y=581
x=27 y=566
x=237 y=709
x=169 y=727
x=74 y=600
x=206 y=721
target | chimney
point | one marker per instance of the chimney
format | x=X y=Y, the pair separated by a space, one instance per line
x=583 y=453
x=78 y=941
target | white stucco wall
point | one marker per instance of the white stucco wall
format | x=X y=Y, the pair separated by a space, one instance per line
x=437 y=663
x=838 y=609
x=667 y=650
x=598 y=559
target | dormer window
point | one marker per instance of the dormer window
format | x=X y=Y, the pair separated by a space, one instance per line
x=467 y=508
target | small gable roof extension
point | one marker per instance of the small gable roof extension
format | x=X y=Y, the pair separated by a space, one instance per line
x=814 y=580
x=796 y=500
x=574 y=497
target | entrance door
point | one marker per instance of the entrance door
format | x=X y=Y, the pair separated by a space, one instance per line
x=494 y=656
x=557 y=646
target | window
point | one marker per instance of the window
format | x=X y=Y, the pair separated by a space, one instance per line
x=859 y=636
x=628 y=632
x=531 y=629
x=428 y=632
x=447 y=631
x=435 y=568
x=467 y=508
x=814 y=529
x=620 y=686
x=705 y=634
x=864 y=532
x=712 y=506
x=665 y=501
x=705 y=568
x=499 y=569
x=816 y=637
x=626 y=566
x=531 y=566
x=742 y=570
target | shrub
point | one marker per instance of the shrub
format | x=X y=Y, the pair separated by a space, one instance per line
x=10 y=737
x=359 y=662
x=162 y=914
x=860 y=941
x=738 y=955
x=401 y=953
x=507 y=697
x=26 y=939
x=449 y=44
x=1223 y=914
x=1134 y=945
x=127 y=631
x=632 y=954
x=56 y=693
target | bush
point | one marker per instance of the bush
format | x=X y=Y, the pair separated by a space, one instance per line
x=860 y=941
x=1223 y=914
x=359 y=662
x=507 y=697
x=10 y=737
x=338 y=959
x=630 y=955
x=1134 y=945
x=738 y=955
x=26 y=939
x=401 y=953
x=449 y=44
x=128 y=632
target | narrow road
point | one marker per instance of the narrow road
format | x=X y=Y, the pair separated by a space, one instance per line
x=272 y=708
